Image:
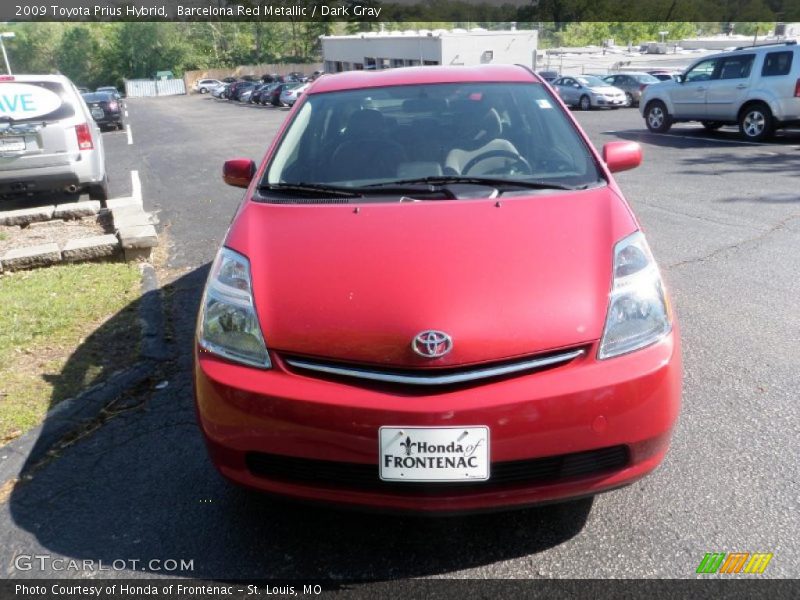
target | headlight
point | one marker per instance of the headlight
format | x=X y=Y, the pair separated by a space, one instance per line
x=228 y=325
x=638 y=312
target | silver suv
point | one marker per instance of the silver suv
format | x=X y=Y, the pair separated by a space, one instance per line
x=48 y=139
x=756 y=87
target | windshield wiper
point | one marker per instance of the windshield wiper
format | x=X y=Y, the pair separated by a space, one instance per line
x=319 y=189
x=433 y=182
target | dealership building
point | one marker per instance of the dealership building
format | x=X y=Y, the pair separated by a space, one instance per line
x=392 y=49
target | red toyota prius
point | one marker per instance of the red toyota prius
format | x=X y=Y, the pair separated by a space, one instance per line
x=435 y=298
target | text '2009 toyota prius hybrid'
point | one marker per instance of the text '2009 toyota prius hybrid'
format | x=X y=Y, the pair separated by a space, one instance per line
x=435 y=298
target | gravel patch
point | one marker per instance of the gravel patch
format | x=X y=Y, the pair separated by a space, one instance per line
x=57 y=231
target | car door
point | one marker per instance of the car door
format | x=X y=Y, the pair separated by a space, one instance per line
x=558 y=87
x=689 y=98
x=728 y=91
x=569 y=90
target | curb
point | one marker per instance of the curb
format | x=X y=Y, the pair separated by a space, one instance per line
x=69 y=414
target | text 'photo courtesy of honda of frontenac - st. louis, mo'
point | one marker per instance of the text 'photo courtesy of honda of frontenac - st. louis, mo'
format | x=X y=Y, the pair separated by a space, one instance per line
x=435 y=298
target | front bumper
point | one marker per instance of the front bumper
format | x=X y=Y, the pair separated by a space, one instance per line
x=609 y=101
x=631 y=402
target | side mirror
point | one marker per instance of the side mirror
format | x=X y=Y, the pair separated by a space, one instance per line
x=238 y=172
x=680 y=78
x=621 y=156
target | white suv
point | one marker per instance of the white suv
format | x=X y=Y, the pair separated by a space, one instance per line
x=48 y=139
x=756 y=87
x=203 y=86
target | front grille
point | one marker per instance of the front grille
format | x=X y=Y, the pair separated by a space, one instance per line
x=359 y=476
x=434 y=377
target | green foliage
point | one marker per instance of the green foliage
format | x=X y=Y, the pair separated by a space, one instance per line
x=94 y=54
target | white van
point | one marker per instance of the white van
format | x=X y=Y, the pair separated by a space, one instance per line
x=756 y=87
x=48 y=139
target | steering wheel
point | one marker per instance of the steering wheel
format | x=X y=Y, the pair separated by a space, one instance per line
x=516 y=158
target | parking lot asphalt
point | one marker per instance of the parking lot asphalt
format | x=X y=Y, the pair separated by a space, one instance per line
x=723 y=218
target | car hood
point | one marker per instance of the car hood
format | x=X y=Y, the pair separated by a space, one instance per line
x=507 y=279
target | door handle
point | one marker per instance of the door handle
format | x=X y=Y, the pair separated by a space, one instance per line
x=741 y=86
x=701 y=89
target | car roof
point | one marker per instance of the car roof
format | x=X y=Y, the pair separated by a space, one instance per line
x=352 y=80
x=777 y=47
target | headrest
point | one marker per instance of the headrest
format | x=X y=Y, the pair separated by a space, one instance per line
x=481 y=128
x=365 y=122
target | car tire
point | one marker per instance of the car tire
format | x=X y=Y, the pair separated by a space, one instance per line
x=656 y=117
x=203 y=90
x=99 y=191
x=712 y=125
x=628 y=100
x=585 y=103
x=755 y=122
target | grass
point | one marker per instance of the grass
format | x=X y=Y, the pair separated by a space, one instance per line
x=62 y=329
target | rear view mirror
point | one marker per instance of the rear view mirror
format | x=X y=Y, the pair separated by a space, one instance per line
x=238 y=172
x=621 y=156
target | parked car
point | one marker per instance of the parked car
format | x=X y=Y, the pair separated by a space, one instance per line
x=84 y=90
x=105 y=108
x=587 y=92
x=756 y=88
x=255 y=96
x=291 y=94
x=265 y=96
x=221 y=91
x=245 y=95
x=296 y=76
x=632 y=84
x=549 y=76
x=275 y=94
x=48 y=139
x=229 y=79
x=235 y=89
x=471 y=317
x=204 y=86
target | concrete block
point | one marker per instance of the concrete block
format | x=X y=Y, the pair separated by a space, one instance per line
x=138 y=236
x=25 y=216
x=31 y=256
x=91 y=248
x=76 y=210
x=120 y=202
x=130 y=217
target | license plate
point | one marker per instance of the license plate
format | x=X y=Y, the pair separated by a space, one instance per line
x=436 y=454
x=98 y=113
x=12 y=144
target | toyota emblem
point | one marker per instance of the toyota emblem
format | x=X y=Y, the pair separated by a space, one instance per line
x=432 y=343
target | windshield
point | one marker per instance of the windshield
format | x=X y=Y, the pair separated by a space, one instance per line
x=592 y=81
x=98 y=97
x=377 y=136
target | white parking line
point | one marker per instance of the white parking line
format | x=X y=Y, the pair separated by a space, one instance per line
x=136 y=186
x=130 y=135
